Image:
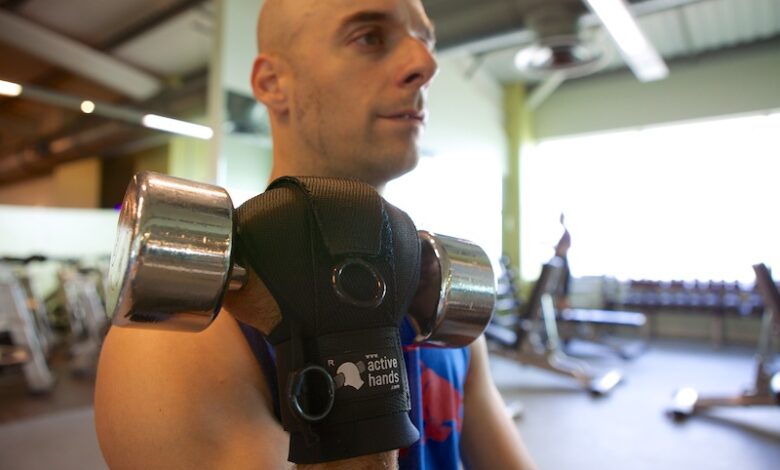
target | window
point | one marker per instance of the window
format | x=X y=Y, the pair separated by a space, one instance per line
x=455 y=195
x=685 y=201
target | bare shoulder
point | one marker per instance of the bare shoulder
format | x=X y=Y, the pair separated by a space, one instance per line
x=176 y=400
x=490 y=438
x=479 y=363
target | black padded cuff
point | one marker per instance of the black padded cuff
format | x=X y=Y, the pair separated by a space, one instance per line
x=371 y=402
x=342 y=265
x=354 y=439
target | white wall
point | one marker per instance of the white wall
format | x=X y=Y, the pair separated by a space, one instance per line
x=240 y=164
x=246 y=164
x=56 y=232
x=466 y=113
x=239 y=46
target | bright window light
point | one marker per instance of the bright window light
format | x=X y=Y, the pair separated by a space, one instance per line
x=687 y=201
x=177 y=127
x=455 y=195
x=10 y=88
x=637 y=51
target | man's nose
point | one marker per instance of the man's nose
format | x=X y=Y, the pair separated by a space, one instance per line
x=420 y=66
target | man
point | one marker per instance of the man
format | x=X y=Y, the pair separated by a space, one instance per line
x=344 y=82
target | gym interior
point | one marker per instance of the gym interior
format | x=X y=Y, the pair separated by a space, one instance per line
x=621 y=192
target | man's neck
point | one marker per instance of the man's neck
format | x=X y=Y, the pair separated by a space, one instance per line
x=290 y=160
x=279 y=169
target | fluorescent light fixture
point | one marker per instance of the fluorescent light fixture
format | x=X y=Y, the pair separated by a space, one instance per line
x=10 y=88
x=637 y=51
x=87 y=106
x=107 y=110
x=177 y=127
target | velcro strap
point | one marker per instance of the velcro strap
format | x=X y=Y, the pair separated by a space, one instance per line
x=335 y=204
x=368 y=369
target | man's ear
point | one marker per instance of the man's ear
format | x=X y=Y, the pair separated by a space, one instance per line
x=267 y=83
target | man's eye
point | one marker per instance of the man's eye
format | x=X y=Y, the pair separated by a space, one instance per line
x=371 y=39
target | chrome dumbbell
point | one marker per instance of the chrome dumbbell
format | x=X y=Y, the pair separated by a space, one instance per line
x=173 y=262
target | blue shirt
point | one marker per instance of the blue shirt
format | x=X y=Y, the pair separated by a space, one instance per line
x=436 y=379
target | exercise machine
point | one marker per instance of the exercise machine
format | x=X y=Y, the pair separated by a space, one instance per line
x=20 y=268
x=87 y=315
x=529 y=335
x=766 y=386
x=18 y=323
x=596 y=325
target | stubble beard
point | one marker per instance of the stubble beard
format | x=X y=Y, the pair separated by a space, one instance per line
x=340 y=154
x=308 y=107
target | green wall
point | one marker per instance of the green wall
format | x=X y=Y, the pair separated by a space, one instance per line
x=739 y=81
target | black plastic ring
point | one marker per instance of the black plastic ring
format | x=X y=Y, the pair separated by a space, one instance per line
x=296 y=388
x=381 y=288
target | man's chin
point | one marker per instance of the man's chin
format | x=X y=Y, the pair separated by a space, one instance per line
x=379 y=175
x=403 y=164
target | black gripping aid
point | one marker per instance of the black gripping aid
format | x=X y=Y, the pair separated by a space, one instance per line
x=343 y=265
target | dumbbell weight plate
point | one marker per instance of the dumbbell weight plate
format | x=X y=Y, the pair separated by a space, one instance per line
x=171 y=262
x=455 y=310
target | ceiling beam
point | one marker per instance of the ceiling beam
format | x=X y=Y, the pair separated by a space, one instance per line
x=148 y=23
x=77 y=58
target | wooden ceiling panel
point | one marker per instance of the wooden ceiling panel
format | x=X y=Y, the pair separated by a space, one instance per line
x=18 y=66
x=29 y=120
x=78 y=86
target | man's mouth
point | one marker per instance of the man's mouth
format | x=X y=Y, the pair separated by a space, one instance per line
x=410 y=115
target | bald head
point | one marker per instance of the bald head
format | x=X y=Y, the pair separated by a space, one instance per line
x=269 y=38
x=279 y=23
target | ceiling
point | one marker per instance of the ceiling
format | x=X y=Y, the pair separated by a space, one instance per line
x=150 y=55
x=153 y=55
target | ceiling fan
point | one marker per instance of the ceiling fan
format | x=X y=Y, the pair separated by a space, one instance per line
x=559 y=52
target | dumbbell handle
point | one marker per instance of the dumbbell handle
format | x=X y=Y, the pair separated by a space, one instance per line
x=238 y=278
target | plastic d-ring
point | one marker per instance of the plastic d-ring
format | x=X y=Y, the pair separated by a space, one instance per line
x=348 y=293
x=311 y=393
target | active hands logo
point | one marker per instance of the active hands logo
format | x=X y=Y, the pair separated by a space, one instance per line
x=348 y=375
x=374 y=371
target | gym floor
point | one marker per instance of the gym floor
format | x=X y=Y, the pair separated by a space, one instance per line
x=564 y=426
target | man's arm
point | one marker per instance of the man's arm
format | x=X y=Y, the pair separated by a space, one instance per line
x=196 y=400
x=490 y=438
x=185 y=400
